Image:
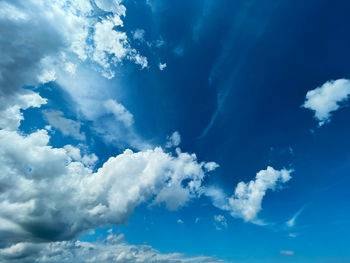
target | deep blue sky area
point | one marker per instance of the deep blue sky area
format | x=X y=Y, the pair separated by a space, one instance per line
x=236 y=78
x=254 y=61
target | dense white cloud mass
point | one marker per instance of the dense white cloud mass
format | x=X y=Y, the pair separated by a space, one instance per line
x=327 y=98
x=80 y=41
x=66 y=32
x=66 y=126
x=246 y=201
x=51 y=194
x=112 y=249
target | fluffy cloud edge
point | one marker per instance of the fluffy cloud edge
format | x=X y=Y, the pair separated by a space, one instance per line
x=327 y=98
x=246 y=202
x=112 y=249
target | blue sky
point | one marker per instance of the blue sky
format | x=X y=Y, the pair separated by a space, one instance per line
x=174 y=131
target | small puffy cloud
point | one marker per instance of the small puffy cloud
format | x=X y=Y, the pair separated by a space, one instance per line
x=173 y=140
x=67 y=127
x=326 y=99
x=162 y=66
x=112 y=249
x=76 y=28
x=179 y=221
x=247 y=199
x=292 y=235
x=119 y=111
x=287 y=252
x=211 y=166
x=139 y=34
x=220 y=222
x=89 y=160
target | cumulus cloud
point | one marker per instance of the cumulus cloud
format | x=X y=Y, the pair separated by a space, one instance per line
x=326 y=99
x=247 y=199
x=67 y=127
x=60 y=27
x=112 y=249
x=52 y=194
x=173 y=140
x=180 y=221
x=162 y=66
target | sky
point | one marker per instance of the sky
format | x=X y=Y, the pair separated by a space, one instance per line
x=174 y=131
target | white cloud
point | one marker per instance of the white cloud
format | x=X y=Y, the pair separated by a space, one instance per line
x=10 y=109
x=220 y=222
x=119 y=111
x=326 y=99
x=287 y=252
x=162 y=66
x=89 y=160
x=51 y=194
x=66 y=126
x=292 y=220
x=173 y=140
x=246 y=201
x=109 y=42
x=111 y=249
x=139 y=34
x=66 y=26
x=179 y=221
x=82 y=37
x=47 y=76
